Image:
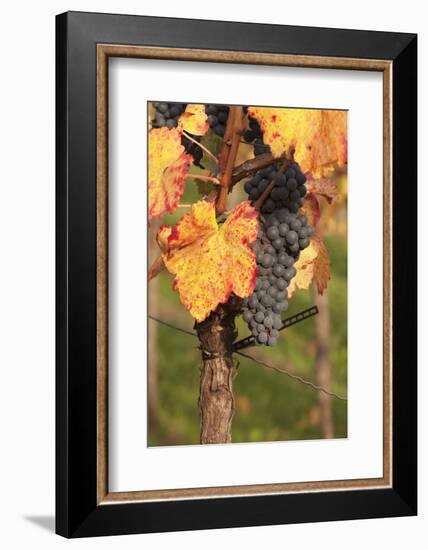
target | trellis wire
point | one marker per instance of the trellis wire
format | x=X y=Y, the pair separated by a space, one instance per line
x=291 y=321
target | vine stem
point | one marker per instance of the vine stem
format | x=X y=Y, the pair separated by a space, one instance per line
x=251 y=166
x=229 y=150
x=202 y=177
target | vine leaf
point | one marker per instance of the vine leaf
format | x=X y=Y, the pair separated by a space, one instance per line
x=316 y=137
x=311 y=209
x=321 y=267
x=323 y=187
x=211 y=261
x=168 y=168
x=313 y=265
x=194 y=120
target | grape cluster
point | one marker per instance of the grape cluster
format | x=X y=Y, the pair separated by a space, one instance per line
x=217 y=118
x=193 y=149
x=254 y=135
x=283 y=234
x=288 y=192
x=167 y=114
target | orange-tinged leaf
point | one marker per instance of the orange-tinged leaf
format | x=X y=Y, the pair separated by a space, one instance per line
x=210 y=261
x=317 y=138
x=324 y=187
x=311 y=209
x=194 y=120
x=168 y=168
x=322 y=268
x=313 y=264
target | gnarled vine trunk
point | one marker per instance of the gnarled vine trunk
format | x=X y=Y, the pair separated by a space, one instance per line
x=216 y=400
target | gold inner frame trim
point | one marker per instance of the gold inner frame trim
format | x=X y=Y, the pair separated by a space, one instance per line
x=104 y=51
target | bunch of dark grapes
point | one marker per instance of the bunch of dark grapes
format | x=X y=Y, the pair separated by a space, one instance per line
x=284 y=233
x=167 y=114
x=288 y=192
x=193 y=149
x=254 y=135
x=217 y=118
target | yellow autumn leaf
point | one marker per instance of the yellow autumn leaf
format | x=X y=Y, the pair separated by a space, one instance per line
x=211 y=261
x=168 y=168
x=317 y=138
x=313 y=264
x=194 y=120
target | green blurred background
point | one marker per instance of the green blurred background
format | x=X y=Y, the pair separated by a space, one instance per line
x=269 y=406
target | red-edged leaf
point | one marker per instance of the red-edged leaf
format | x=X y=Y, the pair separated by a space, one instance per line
x=194 y=120
x=210 y=261
x=168 y=168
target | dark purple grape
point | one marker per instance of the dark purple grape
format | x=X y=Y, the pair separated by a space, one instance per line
x=281 y=296
x=277 y=323
x=272 y=233
x=292 y=184
x=248 y=187
x=278 y=243
x=292 y=237
x=262 y=338
x=254 y=194
x=219 y=130
x=283 y=229
x=222 y=117
x=272 y=291
x=267 y=260
x=252 y=302
x=279 y=270
x=268 y=322
x=247 y=316
x=296 y=224
x=281 y=284
x=280 y=178
x=262 y=185
x=259 y=317
x=268 y=206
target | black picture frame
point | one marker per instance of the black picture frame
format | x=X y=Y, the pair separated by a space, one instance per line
x=77 y=511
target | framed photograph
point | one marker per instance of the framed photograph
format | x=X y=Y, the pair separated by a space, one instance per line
x=236 y=274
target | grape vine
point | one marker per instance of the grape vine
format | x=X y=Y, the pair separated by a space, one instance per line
x=249 y=257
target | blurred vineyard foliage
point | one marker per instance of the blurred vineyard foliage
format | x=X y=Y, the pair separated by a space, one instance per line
x=269 y=406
